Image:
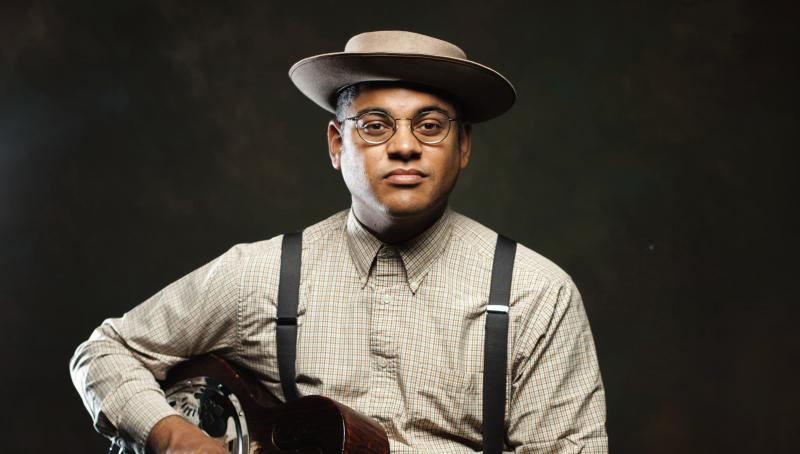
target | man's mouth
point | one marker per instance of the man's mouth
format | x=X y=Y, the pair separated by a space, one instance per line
x=405 y=176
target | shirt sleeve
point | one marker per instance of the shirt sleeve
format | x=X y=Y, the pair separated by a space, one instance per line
x=557 y=401
x=115 y=371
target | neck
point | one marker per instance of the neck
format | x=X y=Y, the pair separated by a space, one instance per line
x=397 y=229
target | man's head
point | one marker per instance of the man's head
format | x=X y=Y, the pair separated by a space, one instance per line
x=401 y=168
x=374 y=172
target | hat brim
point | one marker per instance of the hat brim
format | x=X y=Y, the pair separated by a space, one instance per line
x=482 y=92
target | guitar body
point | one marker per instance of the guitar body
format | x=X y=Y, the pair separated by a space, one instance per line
x=232 y=406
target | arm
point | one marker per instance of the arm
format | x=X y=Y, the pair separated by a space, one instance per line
x=557 y=400
x=115 y=371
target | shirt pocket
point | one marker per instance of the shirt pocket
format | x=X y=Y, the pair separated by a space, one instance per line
x=448 y=401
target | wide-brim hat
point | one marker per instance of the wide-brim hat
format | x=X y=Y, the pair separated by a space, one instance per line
x=482 y=92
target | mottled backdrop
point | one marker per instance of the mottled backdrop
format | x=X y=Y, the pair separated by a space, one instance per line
x=651 y=153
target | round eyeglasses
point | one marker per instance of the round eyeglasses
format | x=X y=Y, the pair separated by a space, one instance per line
x=429 y=127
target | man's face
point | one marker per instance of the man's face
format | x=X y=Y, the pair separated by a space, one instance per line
x=368 y=169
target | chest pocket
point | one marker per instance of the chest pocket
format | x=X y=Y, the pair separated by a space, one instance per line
x=443 y=400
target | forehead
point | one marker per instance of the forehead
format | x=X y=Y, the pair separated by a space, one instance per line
x=398 y=100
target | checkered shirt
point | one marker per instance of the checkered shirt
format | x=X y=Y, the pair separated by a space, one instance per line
x=394 y=331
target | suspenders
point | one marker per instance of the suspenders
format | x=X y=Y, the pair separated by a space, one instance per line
x=495 y=347
x=288 y=296
x=495 y=350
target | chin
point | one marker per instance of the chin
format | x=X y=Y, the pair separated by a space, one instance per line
x=407 y=208
x=401 y=211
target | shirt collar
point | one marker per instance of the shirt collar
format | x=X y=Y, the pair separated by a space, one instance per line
x=418 y=254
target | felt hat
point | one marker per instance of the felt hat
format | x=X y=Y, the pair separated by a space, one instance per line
x=409 y=57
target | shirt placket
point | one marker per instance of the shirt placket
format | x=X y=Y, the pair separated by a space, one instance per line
x=387 y=282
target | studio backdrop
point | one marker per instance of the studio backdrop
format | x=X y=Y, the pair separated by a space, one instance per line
x=651 y=153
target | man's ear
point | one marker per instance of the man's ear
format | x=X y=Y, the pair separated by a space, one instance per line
x=464 y=143
x=335 y=143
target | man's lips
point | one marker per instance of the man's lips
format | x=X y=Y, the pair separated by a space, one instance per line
x=405 y=176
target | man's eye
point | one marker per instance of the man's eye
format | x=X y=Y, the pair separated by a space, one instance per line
x=429 y=127
x=375 y=128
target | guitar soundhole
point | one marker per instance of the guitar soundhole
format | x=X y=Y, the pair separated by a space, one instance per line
x=213 y=414
x=207 y=404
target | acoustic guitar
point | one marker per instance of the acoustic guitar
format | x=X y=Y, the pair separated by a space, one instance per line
x=231 y=406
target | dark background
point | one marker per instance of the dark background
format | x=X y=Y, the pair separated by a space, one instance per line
x=651 y=154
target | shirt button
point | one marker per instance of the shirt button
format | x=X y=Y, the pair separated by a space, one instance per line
x=382 y=363
x=387 y=298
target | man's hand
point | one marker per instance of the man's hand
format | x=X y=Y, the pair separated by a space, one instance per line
x=175 y=435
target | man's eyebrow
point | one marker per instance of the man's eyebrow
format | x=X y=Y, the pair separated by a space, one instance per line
x=371 y=109
x=433 y=108
x=428 y=108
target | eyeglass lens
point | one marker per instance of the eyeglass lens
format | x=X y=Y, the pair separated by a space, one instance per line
x=428 y=127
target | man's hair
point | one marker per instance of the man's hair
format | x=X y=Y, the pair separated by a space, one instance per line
x=348 y=94
x=345 y=98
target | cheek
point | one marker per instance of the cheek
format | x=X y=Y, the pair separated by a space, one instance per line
x=351 y=167
x=355 y=170
x=448 y=169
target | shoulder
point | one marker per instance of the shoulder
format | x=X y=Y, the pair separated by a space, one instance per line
x=267 y=252
x=325 y=231
x=537 y=284
x=254 y=267
x=481 y=240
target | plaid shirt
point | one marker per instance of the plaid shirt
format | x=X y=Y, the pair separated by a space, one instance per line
x=395 y=332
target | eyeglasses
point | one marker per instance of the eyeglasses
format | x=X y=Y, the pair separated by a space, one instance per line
x=429 y=127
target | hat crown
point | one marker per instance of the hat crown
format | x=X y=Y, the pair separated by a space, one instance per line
x=402 y=42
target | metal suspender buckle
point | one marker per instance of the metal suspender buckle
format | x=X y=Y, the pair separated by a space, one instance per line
x=497 y=308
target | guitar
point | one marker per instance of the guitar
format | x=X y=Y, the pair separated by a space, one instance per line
x=231 y=406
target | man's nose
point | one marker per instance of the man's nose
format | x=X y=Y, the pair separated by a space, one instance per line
x=403 y=144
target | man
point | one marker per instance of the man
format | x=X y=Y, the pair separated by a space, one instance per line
x=393 y=292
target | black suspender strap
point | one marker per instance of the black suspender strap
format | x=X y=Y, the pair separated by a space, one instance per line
x=288 y=295
x=495 y=349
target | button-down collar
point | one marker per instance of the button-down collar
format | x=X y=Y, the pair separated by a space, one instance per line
x=418 y=254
